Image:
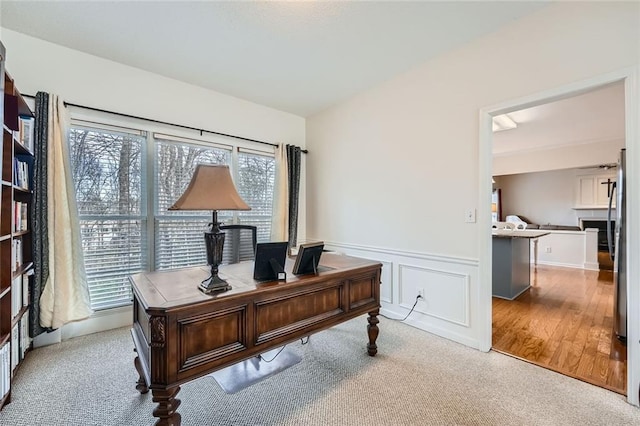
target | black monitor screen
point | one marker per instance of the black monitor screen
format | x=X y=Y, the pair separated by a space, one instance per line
x=308 y=258
x=270 y=258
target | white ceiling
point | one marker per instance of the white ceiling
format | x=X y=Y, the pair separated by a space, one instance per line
x=296 y=56
x=595 y=116
x=302 y=56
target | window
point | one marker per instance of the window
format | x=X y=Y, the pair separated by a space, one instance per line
x=107 y=174
x=255 y=183
x=179 y=234
x=119 y=236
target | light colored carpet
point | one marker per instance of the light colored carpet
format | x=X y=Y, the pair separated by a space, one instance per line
x=416 y=379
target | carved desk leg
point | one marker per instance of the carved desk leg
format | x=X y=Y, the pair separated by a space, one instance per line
x=141 y=385
x=167 y=406
x=373 y=330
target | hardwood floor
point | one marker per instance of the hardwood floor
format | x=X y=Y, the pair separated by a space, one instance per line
x=564 y=322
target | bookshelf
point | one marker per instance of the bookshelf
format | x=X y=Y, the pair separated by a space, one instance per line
x=16 y=256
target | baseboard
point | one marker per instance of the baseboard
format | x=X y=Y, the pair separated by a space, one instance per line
x=46 y=339
x=592 y=266
x=414 y=321
x=104 y=320
x=564 y=265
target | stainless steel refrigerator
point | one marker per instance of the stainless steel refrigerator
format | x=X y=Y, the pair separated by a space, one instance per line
x=617 y=240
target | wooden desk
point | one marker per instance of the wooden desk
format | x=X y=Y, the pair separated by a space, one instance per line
x=181 y=334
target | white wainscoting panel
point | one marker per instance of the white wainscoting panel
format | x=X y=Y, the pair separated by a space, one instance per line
x=450 y=285
x=446 y=294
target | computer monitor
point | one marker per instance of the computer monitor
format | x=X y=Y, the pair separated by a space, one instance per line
x=308 y=258
x=269 y=261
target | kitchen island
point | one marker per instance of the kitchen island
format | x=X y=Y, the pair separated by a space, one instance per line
x=511 y=262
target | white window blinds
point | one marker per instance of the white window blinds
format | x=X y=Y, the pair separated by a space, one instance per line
x=255 y=184
x=107 y=174
x=119 y=236
x=179 y=238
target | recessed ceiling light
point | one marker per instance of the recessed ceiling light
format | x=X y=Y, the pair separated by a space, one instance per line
x=503 y=122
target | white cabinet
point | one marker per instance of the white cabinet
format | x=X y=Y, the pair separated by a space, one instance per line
x=592 y=191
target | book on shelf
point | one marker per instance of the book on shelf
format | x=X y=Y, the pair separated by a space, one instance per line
x=16 y=254
x=25 y=339
x=20 y=174
x=20 y=216
x=26 y=300
x=20 y=293
x=20 y=342
x=5 y=369
x=23 y=216
x=25 y=131
x=16 y=296
x=15 y=347
x=16 y=216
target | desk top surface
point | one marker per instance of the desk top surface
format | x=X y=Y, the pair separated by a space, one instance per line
x=179 y=287
x=509 y=233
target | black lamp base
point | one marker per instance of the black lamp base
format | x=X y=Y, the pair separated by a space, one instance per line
x=214 y=242
x=214 y=284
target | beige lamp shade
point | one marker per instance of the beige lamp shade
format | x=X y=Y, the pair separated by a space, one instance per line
x=211 y=188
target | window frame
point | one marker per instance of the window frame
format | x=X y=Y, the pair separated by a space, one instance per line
x=152 y=132
x=142 y=216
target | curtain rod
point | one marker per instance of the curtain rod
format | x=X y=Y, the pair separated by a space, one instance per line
x=167 y=123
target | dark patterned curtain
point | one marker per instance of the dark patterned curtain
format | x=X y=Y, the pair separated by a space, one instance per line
x=38 y=213
x=293 y=162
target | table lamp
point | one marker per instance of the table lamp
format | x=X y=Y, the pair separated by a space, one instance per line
x=211 y=188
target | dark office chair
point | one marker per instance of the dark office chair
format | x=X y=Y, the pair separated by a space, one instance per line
x=239 y=243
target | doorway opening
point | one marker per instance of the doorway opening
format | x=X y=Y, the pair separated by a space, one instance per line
x=563 y=321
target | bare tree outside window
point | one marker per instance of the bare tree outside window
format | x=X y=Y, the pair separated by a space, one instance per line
x=179 y=235
x=255 y=186
x=106 y=170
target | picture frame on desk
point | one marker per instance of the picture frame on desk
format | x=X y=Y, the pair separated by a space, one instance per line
x=269 y=261
x=308 y=258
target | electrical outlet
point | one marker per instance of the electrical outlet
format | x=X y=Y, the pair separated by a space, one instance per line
x=470 y=216
x=547 y=249
x=421 y=293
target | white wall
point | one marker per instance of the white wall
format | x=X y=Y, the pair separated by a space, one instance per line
x=560 y=157
x=88 y=80
x=395 y=168
x=79 y=78
x=569 y=249
x=545 y=197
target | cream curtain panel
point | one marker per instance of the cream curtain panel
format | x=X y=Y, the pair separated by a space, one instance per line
x=65 y=297
x=280 y=218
